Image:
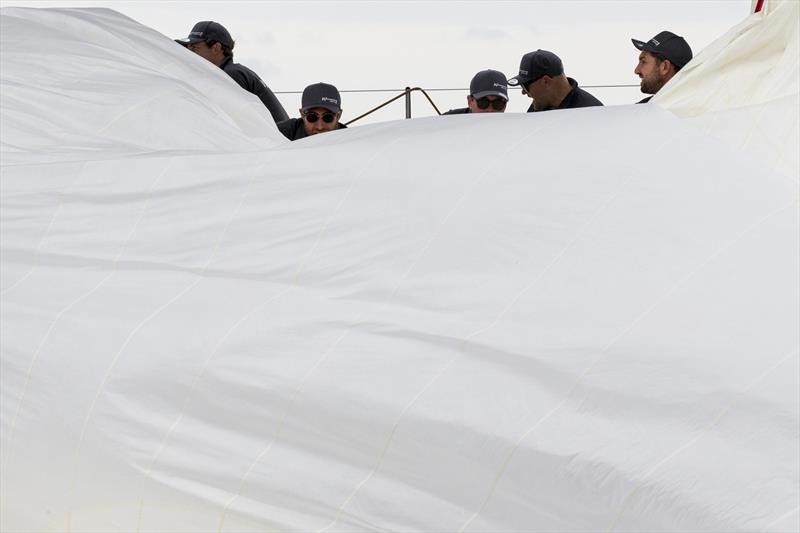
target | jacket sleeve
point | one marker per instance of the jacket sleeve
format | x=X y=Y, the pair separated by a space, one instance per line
x=271 y=101
x=250 y=82
x=286 y=127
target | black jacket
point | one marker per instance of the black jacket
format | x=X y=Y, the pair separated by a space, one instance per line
x=250 y=82
x=293 y=128
x=577 y=97
x=459 y=111
x=645 y=100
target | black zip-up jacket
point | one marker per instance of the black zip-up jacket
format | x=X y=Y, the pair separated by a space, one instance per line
x=293 y=129
x=459 y=111
x=645 y=100
x=577 y=97
x=250 y=82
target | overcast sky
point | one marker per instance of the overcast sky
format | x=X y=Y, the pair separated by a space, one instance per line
x=389 y=45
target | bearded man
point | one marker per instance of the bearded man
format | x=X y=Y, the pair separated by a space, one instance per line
x=660 y=59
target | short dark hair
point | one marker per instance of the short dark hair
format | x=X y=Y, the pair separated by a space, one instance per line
x=227 y=51
x=660 y=58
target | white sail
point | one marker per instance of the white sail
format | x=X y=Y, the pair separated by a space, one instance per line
x=580 y=320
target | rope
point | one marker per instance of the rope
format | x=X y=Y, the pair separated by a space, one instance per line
x=407 y=93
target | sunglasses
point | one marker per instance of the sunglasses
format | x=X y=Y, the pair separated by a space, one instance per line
x=313 y=116
x=524 y=86
x=497 y=105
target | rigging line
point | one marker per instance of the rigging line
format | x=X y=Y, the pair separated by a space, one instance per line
x=601 y=86
x=406 y=92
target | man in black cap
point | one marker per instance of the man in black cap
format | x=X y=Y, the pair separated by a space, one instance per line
x=660 y=59
x=212 y=41
x=320 y=112
x=541 y=77
x=488 y=93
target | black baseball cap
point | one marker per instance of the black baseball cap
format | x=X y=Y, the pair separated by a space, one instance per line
x=208 y=31
x=489 y=83
x=669 y=46
x=322 y=95
x=536 y=64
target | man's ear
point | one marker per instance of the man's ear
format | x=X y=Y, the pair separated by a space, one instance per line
x=666 y=67
x=469 y=100
x=217 y=48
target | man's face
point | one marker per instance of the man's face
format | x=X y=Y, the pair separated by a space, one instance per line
x=650 y=72
x=319 y=120
x=538 y=91
x=205 y=51
x=488 y=103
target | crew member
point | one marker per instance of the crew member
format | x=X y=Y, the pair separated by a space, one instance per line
x=660 y=59
x=212 y=41
x=488 y=93
x=541 y=77
x=320 y=112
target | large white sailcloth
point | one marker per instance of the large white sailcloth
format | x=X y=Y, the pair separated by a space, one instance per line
x=580 y=320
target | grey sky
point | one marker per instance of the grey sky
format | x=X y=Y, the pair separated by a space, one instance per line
x=388 y=45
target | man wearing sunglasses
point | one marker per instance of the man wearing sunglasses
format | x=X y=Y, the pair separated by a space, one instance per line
x=541 y=77
x=320 y=113
x=488 y=93
x=211 y=41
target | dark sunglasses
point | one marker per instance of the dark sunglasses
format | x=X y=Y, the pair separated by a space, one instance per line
x=313 y=116
x=524 y=86
x=497 y=105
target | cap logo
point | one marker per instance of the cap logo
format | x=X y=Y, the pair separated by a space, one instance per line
x=328 y=99
x=500 y=85
x=655 y=42
x=196 y=33
x=524 y=72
